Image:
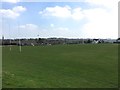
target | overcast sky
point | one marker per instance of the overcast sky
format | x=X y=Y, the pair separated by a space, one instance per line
x=84 y=19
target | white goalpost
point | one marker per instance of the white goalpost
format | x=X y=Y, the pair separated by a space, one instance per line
x=83 y=41
x=9 y=37
x=20 y=48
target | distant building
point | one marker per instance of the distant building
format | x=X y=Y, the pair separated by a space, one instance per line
x=2 y=37
x=2 y=41
x=117 y=41
x=95 y=41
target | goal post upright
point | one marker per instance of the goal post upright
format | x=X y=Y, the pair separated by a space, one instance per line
x=19 y=43
x=10 y=37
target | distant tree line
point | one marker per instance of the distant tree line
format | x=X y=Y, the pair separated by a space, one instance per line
x=54 y=41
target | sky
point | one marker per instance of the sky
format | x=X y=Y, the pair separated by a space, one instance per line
x=80 y=19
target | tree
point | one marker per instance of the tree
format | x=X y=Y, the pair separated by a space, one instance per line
x=89 y=41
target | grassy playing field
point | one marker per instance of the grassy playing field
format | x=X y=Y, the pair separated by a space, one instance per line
x=61 y=66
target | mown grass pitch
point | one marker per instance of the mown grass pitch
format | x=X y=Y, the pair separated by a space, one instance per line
x=61 y=66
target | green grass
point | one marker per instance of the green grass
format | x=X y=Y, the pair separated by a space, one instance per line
x=61 y=66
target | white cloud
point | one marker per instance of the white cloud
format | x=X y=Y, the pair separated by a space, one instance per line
x=32 y=30
x=11 y=1
x=52 y=25
x=7 y=13
x=29 y=27
x=77 y=14
x=63 y=12
x=59 y=32
x=102 y=22
x=12 y=13
x=104 y=3
x=28 y=30
x=19 y=9
x=57 y=11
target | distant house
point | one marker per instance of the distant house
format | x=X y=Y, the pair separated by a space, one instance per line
x=117 y=41
x=95 y=41
x=109 y=40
